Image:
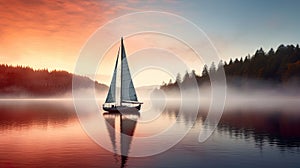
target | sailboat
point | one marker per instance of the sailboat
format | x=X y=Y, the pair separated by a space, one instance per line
x=121 y=95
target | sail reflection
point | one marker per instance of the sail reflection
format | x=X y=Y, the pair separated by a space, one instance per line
x=127 y=123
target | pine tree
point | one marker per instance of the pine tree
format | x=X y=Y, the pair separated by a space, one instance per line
x=212 y=68
x=205 y=71
x=178 y=78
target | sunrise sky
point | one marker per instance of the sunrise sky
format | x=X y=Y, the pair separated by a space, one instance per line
x=50 y=33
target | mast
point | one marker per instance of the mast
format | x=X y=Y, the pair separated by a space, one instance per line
x=121 y=70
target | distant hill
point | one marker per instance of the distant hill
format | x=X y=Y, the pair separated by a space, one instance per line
x=274 y=68
x=18 y=81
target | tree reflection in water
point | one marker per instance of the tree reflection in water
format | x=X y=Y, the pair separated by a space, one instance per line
x=275 y=127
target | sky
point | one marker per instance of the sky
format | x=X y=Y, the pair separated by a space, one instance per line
x=51 y=33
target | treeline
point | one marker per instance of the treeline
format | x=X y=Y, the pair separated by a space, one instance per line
x=273 y=67
x=26 y=82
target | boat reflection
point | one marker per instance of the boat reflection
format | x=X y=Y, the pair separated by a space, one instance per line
x=127 y=123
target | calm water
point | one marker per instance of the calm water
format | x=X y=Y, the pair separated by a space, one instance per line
x=48 y=134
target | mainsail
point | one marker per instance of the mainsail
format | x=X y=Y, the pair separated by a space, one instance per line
x=126 y=91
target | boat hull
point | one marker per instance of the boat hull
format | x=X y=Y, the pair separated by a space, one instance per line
x=122 y=109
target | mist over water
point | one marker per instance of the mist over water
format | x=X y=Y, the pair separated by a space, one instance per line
x=255 y=98
x=256 y=122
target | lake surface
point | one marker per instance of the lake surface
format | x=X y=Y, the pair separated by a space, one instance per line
x=49 y=134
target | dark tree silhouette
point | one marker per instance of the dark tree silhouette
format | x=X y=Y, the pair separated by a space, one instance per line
x=205 y=71
x=276 y=68
x=24 y=81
